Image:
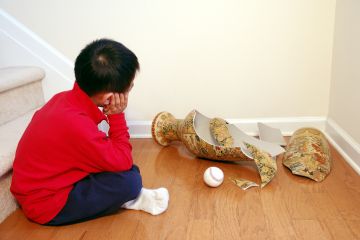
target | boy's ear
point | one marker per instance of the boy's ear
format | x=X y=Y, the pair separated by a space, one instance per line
x=106 y=98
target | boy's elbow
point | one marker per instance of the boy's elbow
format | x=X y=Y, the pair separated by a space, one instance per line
x=124 y=164
x=128 y=164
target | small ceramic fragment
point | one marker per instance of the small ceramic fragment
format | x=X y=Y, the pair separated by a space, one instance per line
x=243 y=183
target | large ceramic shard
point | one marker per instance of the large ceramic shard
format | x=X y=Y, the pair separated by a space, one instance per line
x=269 y=134
x=265 y=163
x=308 y=154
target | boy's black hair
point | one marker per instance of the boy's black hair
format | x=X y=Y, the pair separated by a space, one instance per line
x=105 y=66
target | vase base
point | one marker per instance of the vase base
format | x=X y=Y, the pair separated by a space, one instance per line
x=158 y=126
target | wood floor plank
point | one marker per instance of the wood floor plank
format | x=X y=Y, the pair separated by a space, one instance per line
x=200 y=230
x=354 y=226
x=297 y=201
x=330 y=217
x=289 y=207
x=121 y=225
x=75 y=231
x=17 y=226
x=175 y=173
x=339 y=229
x=276 y=213
x=310 y=230
x=239 y=214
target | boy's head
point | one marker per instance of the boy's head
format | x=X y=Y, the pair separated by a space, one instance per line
x=105 y=66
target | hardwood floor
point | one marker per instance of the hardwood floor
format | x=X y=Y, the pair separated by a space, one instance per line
x=290 y=207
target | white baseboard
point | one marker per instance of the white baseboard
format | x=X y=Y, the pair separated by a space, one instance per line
x=287 y=125
x=139 y=129
x=142 y=129
x=344 y=144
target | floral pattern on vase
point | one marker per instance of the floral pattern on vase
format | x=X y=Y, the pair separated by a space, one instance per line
x=308 y=154
x=220 y=132
x=265 y=163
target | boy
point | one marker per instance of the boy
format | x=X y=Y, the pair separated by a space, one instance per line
x=65 y=169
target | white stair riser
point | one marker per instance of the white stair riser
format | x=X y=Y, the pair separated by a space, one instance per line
x=18 y=101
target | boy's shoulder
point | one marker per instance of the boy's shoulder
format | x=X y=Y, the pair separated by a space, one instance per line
x=64 y=108
x=57 y=97
x=59 y=106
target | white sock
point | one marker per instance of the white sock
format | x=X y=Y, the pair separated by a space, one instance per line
x=153 y=201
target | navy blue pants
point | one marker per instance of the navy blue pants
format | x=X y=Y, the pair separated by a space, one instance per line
x=98 y=195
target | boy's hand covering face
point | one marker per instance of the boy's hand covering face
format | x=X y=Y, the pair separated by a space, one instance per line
x=117 y=103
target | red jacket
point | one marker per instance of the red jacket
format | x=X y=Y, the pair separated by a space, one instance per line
x=62 y=145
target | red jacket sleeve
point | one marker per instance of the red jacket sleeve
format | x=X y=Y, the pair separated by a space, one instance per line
x=96 y=152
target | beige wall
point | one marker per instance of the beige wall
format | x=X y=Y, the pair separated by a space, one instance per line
x=230 y=58
x=345 y=84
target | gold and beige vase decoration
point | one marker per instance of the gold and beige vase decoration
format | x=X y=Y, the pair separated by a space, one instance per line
x=308 y=154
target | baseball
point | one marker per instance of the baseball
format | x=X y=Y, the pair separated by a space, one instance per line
x=213 y=176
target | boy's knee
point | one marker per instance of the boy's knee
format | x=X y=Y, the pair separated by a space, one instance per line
x=131 y=182
x=135 y=168
x=135 y=183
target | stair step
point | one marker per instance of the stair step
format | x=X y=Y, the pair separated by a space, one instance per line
x=12 y=77
x=8 y=203
x=10 y=134
x=20 y=91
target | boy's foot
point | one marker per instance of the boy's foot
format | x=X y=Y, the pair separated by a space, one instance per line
x=153 y=201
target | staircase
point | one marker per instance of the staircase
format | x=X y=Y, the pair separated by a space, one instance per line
x=20 y=95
